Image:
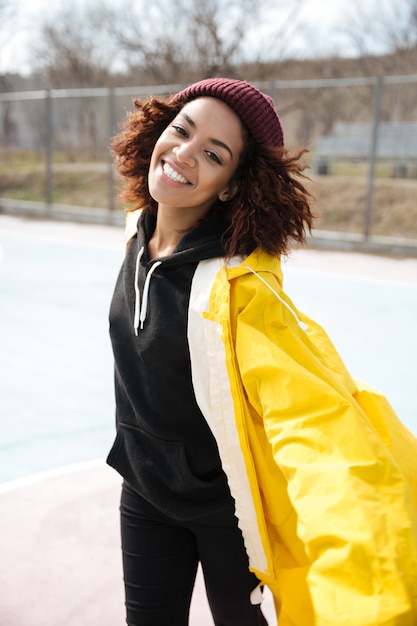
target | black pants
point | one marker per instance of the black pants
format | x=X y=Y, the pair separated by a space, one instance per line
x=160 y=559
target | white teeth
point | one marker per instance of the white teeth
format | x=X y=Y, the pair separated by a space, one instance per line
x=173 y=175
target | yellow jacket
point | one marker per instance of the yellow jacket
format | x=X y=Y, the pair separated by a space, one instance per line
x=323 y=473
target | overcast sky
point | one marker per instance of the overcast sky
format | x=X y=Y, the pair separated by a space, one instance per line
x=323 y=20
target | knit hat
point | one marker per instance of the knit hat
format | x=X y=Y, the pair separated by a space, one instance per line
x=256 y=109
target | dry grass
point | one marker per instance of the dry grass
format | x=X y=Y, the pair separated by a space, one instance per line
x=341 y=201
x=79 y=185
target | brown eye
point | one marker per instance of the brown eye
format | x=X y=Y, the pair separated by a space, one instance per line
x=213 y=156
x=180 y=130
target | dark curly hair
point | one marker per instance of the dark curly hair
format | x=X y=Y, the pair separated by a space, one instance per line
x=271 y=207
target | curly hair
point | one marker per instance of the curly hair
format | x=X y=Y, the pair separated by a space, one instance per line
x=271 y=207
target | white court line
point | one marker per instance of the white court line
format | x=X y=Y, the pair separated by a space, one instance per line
x=38 y=477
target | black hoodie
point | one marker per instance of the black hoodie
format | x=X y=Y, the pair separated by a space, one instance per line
x=164 y=446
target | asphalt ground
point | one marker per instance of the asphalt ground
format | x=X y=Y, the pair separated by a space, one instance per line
x=60 y=557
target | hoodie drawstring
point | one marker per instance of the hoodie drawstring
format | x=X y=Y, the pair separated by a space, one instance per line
x=144 y=305
x=301 y=324
x=137 y=292
x=141 y=309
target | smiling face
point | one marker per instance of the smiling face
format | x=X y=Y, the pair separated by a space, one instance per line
x=196 y=156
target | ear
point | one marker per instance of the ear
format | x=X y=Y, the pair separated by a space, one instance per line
x=228 y=193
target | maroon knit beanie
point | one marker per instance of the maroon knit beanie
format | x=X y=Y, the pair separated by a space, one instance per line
x=256 y=109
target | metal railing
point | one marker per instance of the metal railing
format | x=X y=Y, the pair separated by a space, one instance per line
x=74 y=122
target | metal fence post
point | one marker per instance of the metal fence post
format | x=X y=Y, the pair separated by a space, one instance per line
x=112 y=127
x=49 y=131
x=373 y=155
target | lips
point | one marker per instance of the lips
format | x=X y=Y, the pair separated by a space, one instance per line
x=173 y=175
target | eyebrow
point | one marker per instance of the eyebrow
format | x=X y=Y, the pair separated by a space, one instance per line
x=216 y=142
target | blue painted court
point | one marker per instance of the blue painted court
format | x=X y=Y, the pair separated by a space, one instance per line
x=56 y=385
x=59 y=522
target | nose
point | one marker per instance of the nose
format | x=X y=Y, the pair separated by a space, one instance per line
x=184 y=153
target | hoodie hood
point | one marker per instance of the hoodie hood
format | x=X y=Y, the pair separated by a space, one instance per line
x=201 y=243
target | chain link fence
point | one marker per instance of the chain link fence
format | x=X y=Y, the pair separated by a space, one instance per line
x=361 y=134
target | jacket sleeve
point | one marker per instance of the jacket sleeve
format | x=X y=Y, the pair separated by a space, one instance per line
x=354 y=509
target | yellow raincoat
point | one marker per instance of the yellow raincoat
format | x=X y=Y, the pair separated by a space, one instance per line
x=323 y=473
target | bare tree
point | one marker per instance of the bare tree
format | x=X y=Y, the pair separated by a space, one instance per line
x=218 y=35
x=387 y=29
x=162 y=42
x=7 y=15
x=73 y=50
x=188 y=39
x=385 y=36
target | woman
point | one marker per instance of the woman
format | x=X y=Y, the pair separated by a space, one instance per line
x=243 y=442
